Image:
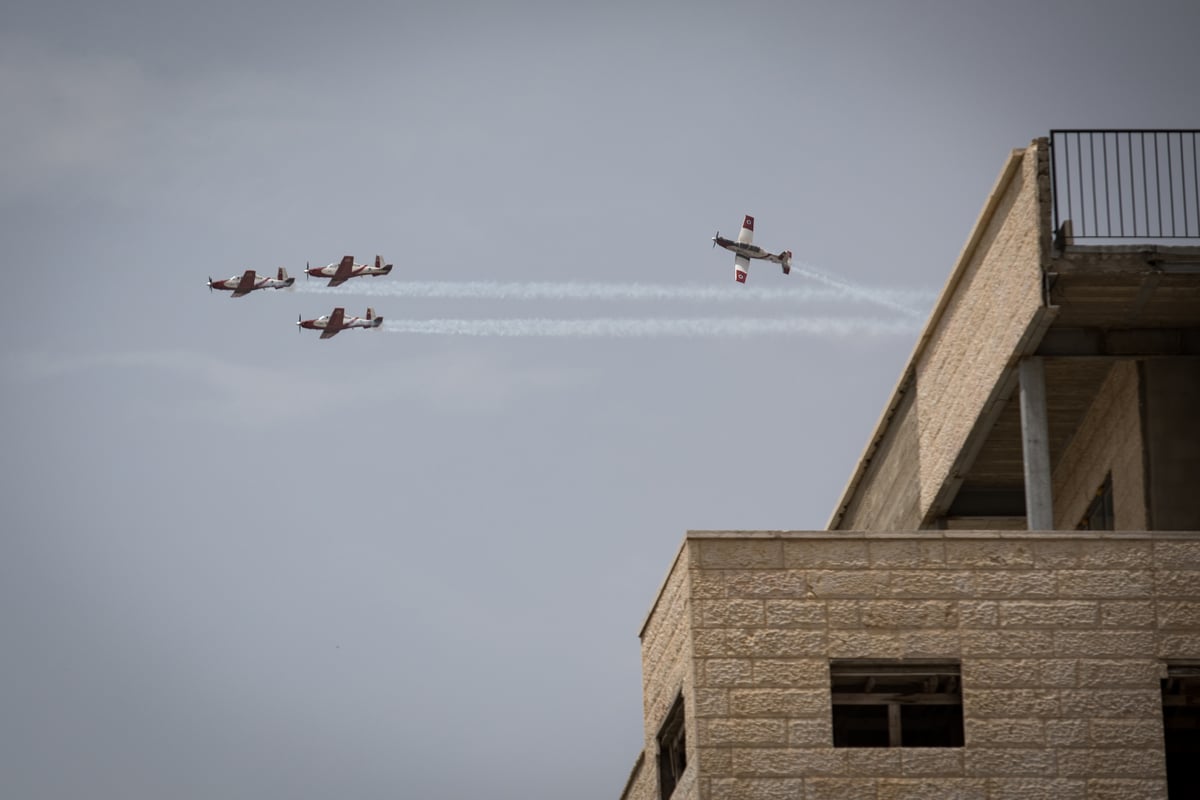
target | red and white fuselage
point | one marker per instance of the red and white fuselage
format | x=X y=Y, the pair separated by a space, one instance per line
x=334 y=323
x=249 y=280
x=744 y=249
x=345 y=269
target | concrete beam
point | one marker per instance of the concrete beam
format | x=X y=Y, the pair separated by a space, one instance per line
x=1120 y=342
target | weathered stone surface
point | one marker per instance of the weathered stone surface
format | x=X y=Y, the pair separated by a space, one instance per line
x=1010 y=732
x=847 y=583
x=1036 y=789
x=840 y=553
x=1105 y=583
x=1111 y=763
x=1009 y=761
x=779 y=702
x=727 y=613
x=978 y=613
x=1130 y=644
x=1111 y=702
x=1113 y=673
x=932 y=583
x=1145 y=733
x=1118 y=789
x=927 y=788
x=1021 y=643
x=1050 y=614
x=1179 y=584
x=988 y=554
x=795 y=612
x=909 y=614
x=919 y=761
x=795 y=673
x=766 y=583
x=771 y=761
x=715 y=732
x=713 y=672
x=811 y=732
x=1179 y=614
x=1127 y=613
x=757 y=789
x=1066 y=733
x=739 y=553
x=1015 y=584
x=1032 y=703
x=907 y=553
x=712 y=702
x=775 y=641
x=840 y=789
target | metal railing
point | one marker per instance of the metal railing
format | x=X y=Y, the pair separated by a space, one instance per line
x=1126 y=184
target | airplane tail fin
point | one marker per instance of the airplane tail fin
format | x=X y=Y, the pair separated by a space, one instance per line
x=785 y=260
x=370 y=313
x=374 y=320
x=381 y=266
x=283 y=276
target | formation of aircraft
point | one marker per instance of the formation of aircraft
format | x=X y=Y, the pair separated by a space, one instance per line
x=248 y=281
x=338 y=273
x=345 y=269
x=744 y=249
x=333 y=324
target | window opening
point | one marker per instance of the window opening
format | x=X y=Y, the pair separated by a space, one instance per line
x=672 y=749
x=1099 y=514
x=896 y=703
x=1181 y=730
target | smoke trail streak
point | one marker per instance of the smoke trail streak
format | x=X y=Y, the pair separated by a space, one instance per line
x=899 y=300
x=628 y=328
x=882 y=297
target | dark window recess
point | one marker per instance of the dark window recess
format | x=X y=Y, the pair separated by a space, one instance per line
x=1099 y=514
x=896 y=703
x=1181 y=730
x=672 y=750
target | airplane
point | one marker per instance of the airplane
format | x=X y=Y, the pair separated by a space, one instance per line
x=345 y=269
x=743 y=251
x=249 y=281
x=332 y=324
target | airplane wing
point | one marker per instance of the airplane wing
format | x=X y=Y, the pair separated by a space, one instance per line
x=343 y=271
x=245 y=285
x=741 y=266
x=335 y=320
x=747 y=234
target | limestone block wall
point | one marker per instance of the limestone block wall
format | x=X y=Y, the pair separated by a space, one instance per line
x=666 y=671
x=1110 y=439
x=890 y=493
x=990 y=311
x=1062 y=638
x=988 y=315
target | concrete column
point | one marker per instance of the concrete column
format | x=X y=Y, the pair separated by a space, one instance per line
x=1035 y=446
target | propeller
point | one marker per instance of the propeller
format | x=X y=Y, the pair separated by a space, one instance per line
x=299 y=320
x=716 y=236
x=307 y=267
x=210 y=283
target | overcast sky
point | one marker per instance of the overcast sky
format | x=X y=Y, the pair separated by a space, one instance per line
x=239 y=562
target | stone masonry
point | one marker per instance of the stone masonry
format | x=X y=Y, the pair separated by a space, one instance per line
x=1062 y=638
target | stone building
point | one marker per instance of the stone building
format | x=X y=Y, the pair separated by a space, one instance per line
x=1006 y=602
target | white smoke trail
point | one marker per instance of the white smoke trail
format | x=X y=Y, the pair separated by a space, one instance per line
x=898 y=300
x=626 y=328
x=882 y=297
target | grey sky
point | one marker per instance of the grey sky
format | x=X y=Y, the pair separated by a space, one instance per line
x=238 y=562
